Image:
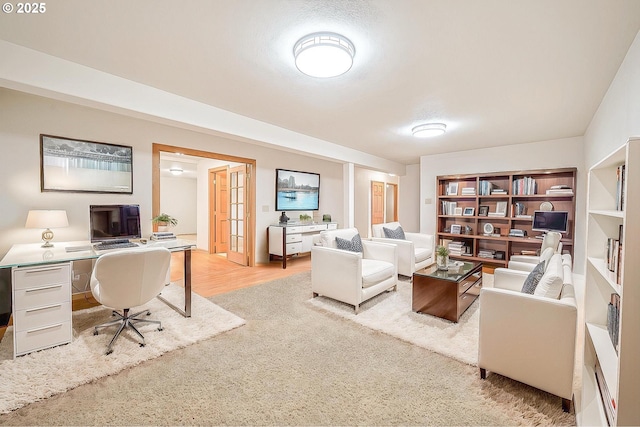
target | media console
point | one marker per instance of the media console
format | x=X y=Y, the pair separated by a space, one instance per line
x=294 y=238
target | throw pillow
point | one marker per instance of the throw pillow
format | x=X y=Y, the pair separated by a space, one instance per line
x=353 y=245
x=398 y=233
x=532 y=280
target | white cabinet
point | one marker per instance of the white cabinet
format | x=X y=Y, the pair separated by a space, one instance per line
x=41 y=307
x=607 y=222
x=286 y=240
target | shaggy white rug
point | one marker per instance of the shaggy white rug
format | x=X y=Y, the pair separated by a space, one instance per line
x=390 y=312
x=42 y=374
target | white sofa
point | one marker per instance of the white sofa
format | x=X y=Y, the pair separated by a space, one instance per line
x=551 y=241
x=352 y=277
x=414 y=253
x=531 y=338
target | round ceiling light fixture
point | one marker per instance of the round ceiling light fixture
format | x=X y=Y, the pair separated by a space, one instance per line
x=324 y=55
x=429 y=130
x=176 y=171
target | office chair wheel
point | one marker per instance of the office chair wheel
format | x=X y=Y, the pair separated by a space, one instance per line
x=108 y=352
x=142 y=344
x=95 y=332
x=148 y=313
x=161 y=329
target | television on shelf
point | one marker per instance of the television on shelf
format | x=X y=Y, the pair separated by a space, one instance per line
x=546 y=221
x=109 y=222
x=297 y=191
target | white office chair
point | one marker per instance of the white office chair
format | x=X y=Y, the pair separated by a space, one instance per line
x=129 y=278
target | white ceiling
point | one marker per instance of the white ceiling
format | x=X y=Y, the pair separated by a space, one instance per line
x=497 y=72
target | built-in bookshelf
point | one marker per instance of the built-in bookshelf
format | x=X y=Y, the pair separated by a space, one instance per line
x=610 y=373
x=488 y=217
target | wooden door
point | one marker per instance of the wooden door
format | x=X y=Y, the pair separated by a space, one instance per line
x=218 y=210
x=238 y=220
x=391 y=205
x=377 y=202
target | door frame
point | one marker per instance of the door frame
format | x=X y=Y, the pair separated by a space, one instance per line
x=213 y=220
x=156 y=149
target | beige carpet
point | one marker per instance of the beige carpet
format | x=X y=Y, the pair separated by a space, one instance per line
x=45 y=373
x=390 y=312
x=293 y=364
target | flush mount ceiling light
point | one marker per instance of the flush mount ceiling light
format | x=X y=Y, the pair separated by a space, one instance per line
x=176 y=171
x=429 y=130
x=324 y=54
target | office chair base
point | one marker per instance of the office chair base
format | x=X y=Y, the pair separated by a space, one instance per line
x=126 y=321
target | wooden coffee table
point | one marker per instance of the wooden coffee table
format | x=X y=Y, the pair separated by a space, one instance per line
x=446 y=293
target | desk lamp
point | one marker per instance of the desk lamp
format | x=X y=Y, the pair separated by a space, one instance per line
x=47 y=219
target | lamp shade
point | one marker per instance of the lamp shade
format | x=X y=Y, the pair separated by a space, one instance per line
x=47 y=219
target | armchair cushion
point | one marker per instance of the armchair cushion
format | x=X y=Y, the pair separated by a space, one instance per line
x=353 y=245
x=531 y=282
x=374 y=271
x=397 y=233
x=422 y=254
x=551 y=282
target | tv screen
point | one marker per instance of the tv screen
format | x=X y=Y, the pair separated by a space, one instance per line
x=297 y=191
x=114 y=222
x=550 y=221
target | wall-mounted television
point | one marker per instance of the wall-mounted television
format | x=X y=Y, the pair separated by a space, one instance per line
x=550 y=221
x=110 y=222
x=297 y=191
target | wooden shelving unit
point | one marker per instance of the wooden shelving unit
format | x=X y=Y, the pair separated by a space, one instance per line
x=619 y=367
x=519 y=193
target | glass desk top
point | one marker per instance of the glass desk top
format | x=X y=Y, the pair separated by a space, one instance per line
x=454 y=274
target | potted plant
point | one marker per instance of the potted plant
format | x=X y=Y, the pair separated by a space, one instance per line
x=164 y=221
x=305 y=218
x=442 y=257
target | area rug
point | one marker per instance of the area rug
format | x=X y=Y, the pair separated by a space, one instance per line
x=45 y=373
x=390 y=312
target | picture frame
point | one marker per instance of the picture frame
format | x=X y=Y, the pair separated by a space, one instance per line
x=501 y=208
x=483 y=211
x=457 y=211
x=456 y=228
x=468 y=211
x=81 y=166
x=452 y=189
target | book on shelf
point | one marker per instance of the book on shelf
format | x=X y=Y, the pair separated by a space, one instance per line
x=468 y=191
x=485 y=188
x=608 y=401
x=620 y=178
x=497 y=214
x=613 y=320
x=524 y=186
x=487 y=253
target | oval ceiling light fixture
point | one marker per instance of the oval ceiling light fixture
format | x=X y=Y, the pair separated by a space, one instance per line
x=176 y=171
x=429 y=130
x=324 y=55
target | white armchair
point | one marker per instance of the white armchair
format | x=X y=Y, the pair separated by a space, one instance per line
x=414 y=252
x=527 y=262
x=352 y=277
x=527 y=337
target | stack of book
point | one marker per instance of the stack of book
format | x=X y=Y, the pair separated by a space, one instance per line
x=487 y=253
x=457 y=248
x=468 y=191
x=620 y=178
x=448 y=208
x=485 y=188
x=614 y=255
x=608 y=401
x=497 y=191
x=162 y=235
x=560 y=190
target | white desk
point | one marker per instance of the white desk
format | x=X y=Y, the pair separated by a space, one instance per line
x=43 y=289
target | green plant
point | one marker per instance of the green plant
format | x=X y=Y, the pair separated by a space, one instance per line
x=304 y=217
x=442 y=251
x=164 y=218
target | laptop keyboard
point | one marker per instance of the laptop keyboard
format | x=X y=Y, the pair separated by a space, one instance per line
x=103 y=246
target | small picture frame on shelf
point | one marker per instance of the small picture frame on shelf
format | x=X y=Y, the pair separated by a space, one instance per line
x=501 y=208
x=468 y=211
x=483 y=211
x=452 y=189
x=457 y=211
x=456 y=228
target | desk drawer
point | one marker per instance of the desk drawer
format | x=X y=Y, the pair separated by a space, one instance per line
x=293 y=238
x=294 y=248
x=37 y=317
x=40 y=338
x=26 y=277
x=469 y=282
x=315 y=227
x=38 y=296
x=294 y=230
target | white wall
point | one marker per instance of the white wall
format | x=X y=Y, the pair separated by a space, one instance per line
x=539 y=155
x=25 y=117
x=178 y=198
x=409 y=199
x=363 y=178
x=618 y=116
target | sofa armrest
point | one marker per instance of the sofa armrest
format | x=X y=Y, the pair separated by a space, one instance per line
x=504 y=278
x=336 y=273
x=420 y=240
x=380 y=251
x=529 y=259
x=528 y=338
x=522 y=266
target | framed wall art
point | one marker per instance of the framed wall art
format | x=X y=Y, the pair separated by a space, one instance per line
x=76 y=165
